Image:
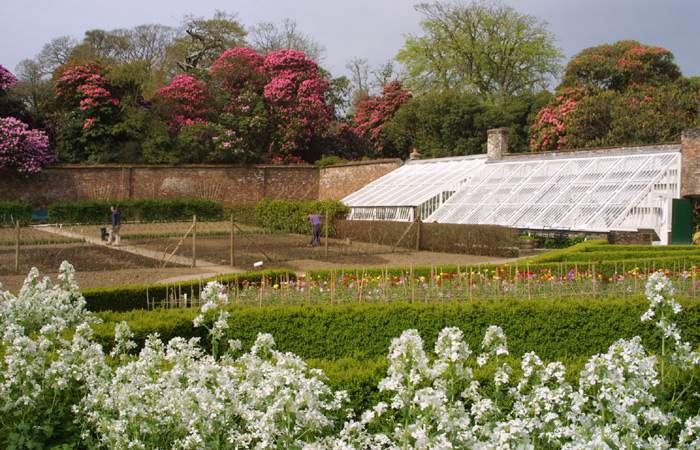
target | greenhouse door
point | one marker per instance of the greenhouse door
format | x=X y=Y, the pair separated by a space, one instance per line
x=682 y=222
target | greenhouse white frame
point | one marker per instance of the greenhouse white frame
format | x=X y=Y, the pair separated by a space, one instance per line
x=620 y=189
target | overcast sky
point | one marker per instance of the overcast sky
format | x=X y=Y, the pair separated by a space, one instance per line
x=373 y=29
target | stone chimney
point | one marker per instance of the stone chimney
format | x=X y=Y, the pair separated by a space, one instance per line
x=690 y=163
x=414 y=154
x=497 y=143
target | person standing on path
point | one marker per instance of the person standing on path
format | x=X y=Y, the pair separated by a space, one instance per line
x=315 y=220
x=116 y=223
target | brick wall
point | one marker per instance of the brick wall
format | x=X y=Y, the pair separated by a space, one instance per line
x=690 y=163
x=341 y=180
x=228 y=184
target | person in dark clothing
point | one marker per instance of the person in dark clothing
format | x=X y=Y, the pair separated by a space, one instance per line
x=116 y=224
x=315 y=220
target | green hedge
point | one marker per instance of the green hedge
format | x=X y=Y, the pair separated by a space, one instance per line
x=554 y=329
x=11 y=212
x=291 y=216
x=241 y=213
x=134 y=297
x=135 y=210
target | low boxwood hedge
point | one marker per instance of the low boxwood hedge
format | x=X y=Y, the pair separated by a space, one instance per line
x=135 y=297
x=11 y=212
x=552 y=328
x=95 y=212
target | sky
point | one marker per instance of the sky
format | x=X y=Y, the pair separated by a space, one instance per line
x=371 y=29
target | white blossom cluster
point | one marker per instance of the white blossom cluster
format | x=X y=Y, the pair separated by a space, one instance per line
x=175 y=396
x=53 y=376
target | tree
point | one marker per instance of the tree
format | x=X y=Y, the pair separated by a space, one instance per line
x=443 y=124
x=22 y=149
x=484 y=48
x=267 y=37
x=33 y=90
x=373 y=113
x=205 y=40
x=620 y=65
x=55 y=54
x=615 y=94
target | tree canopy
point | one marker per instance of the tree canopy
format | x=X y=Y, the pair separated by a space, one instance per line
x=484 y=48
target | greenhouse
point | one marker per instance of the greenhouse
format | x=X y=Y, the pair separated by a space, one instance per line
x=589 y=191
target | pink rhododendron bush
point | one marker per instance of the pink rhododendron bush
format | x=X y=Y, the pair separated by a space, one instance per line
x=22 y=149
x=257 y=107
x=58 y=387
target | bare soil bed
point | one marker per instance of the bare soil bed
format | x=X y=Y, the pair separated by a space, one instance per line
x=30 y=236
x=113 y=277
x=292 y=251
x=84 y=257
x=250 y=248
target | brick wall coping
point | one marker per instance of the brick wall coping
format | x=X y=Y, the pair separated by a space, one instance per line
x=183 y=166
x=366 y=162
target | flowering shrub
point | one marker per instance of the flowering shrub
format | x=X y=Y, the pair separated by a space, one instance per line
x=182 y=102
x=297 y=94
x=59 y=390
x=22 y=149
x=549 y=131
x=7 y=79
x=85 y=87
x=373 y=113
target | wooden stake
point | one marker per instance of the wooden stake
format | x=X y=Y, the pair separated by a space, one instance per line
x=232 y=253
x=17 y=247
x=194 y=240
x=325 y=223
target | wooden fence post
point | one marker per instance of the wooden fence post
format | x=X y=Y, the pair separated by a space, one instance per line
x=17 y=247
x=416 y=218
x=232 y=252
x=326 y=227
x=194 y=240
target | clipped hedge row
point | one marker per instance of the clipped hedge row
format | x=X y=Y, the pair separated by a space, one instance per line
x=552 y=328
x=11 y=212
x=689 y=252
x=241 y=213
x=135 y=210
x=291 y=216
x=135 y=297
x=492 y=240
x=604 y=268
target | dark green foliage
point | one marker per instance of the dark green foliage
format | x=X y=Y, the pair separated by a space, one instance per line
x=135 y=210
x=127 y=298
x=291 y=216
x=11 y=212
x=329 y=160
x=241 y=213
x=552 y=328
x=561 y=241
x=454 y=123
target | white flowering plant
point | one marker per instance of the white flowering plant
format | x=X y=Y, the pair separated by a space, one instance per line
x=57 y=387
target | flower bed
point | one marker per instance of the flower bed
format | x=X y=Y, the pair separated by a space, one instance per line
x=59 y=388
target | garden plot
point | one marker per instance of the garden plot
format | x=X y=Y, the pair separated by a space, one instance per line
x=84 y=257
